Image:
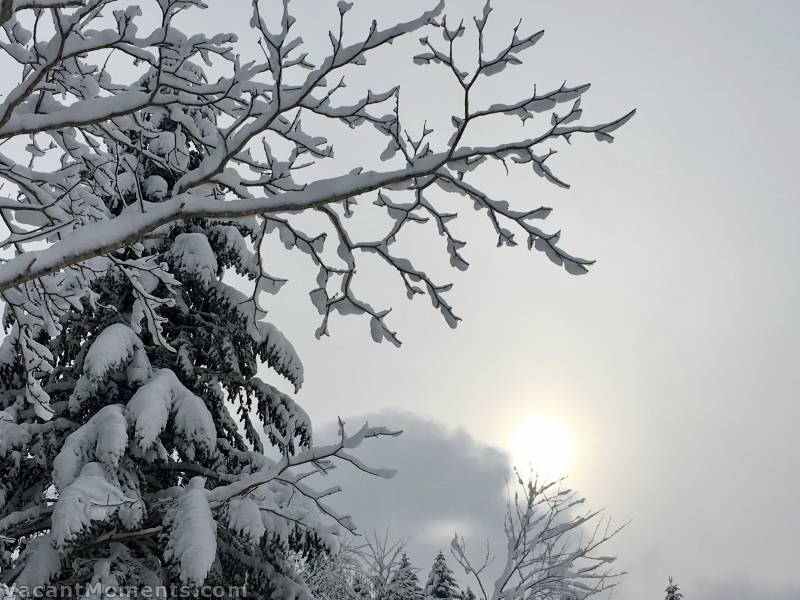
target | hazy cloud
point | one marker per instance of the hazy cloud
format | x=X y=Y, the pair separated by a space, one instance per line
x=447 y=481
x=739 y=588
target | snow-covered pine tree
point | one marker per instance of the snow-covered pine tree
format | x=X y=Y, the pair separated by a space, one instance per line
x=404 y=584
x=468 y=594
x=150 y=469
x=331 y=576
x=673 y=592
x=441 y=582
x=361 y=589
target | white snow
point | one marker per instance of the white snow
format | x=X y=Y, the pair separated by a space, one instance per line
x=244 y=517
x=192 y=254
x=91 y=497
x=42 y=562
x=117 y=346
x=102 y=439
x=12 y=434
x=162 y=397
x=192 y=542
x=156 y=186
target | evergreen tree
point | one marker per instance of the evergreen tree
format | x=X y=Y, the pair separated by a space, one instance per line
x=404 y=584
x=673 y=592
x=334 y=576
x=360 y=587
x=468 y=595
x=154 y=402
x=441 y=583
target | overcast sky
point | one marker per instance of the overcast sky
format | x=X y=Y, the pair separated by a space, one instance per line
x=672 y=363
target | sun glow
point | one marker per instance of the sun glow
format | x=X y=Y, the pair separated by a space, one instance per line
x=543 y=445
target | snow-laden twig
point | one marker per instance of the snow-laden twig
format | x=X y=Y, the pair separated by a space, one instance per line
x=551 y=547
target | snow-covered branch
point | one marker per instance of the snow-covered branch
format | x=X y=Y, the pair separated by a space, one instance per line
x=86 y=215
x=551 y=550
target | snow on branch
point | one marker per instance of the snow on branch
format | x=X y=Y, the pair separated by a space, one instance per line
x=285 y=473
x=551 y=550
x=164 y=398
x=96 y=202
x=9 y=7
x=192 y=542
x=315 y=456
x=91 y=497
x=103 y=439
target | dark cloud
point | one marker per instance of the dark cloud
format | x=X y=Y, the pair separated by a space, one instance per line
x=446 y=482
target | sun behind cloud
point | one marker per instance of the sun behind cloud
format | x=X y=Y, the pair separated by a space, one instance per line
x=543 y=445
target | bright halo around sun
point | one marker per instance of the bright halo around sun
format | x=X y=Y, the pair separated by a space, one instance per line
x=542 y=445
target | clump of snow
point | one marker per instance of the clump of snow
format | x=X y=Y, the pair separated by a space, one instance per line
x=116 y=348
x=244 y=517
x=117 y=345
x=156 y=186
x=8 y=347
x=275 y=348
x=277 y=508
x=246 y=259
x=162 y=397
x=42 y=562
x=192 y=254
x=91 y=497
x=126 y=183
x=20 y=516
x=172 y=146
x=192 y=541
x=103 y=439
x=12 y=434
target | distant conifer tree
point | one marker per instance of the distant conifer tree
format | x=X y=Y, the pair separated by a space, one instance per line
x=404 y=584
x=441 y=583
x=673 y=592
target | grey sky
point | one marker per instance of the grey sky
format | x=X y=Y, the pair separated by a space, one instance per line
x=672 y=362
